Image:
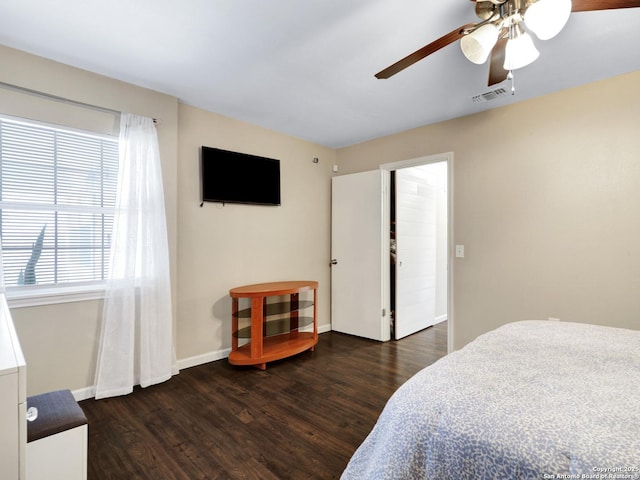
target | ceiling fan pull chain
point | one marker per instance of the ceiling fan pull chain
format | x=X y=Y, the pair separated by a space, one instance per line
x=513 y=82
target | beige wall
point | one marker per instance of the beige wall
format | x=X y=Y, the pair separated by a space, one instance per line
x=546 y=202
x=212 y=248
x=60 y=341
x=221 y=247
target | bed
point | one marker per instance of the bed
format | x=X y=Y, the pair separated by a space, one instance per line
x=529 y=400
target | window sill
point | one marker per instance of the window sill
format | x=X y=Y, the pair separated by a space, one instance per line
x=32 y=297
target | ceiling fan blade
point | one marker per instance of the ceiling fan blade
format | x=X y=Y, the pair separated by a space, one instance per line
x=591 y=5
x=497 y=73
x=424 y=52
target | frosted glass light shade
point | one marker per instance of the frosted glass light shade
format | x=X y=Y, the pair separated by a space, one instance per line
x=478 y=44
x=546 y=18
x=520 y=51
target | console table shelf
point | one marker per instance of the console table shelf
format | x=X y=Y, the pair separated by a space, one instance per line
x=274 y=331
x=271 y=328
x=276 y=308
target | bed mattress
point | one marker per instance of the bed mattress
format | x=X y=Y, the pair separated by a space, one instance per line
x=529 y=400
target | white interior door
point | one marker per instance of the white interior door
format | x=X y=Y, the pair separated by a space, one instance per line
x=360 y=255
x=416 y=251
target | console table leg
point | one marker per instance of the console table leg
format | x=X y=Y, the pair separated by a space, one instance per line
x=256 y=326
x=293 y=317
x=234 y=324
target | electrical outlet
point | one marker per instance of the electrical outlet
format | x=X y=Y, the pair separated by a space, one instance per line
x=459 y=251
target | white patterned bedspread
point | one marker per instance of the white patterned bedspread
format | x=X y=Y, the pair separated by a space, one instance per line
x=529 y=400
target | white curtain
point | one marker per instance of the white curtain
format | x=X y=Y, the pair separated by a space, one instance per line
x=136 y=344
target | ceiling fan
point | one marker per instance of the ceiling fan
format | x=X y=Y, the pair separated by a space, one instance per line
x=501 y=33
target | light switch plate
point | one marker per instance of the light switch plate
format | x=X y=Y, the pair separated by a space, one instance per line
x=459 y=251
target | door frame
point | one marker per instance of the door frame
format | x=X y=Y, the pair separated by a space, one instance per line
x=425 y=160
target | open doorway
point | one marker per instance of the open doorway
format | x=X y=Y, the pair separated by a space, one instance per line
x=360 y=237
x=419 y=232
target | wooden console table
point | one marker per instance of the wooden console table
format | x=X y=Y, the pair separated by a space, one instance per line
x=274 y=331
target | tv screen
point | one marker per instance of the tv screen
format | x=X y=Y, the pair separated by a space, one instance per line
x=232 y=177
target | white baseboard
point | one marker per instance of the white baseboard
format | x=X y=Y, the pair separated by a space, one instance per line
x=203 y=358
x=90 y=392
x=324 y=328
x=441 y=318
x=84 y=393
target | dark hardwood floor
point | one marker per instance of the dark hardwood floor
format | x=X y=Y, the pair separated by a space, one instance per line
x=302 y=418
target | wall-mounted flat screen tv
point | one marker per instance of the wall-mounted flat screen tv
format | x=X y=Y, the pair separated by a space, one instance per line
x=232 y=177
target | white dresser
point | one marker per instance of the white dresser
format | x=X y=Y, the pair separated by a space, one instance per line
x=13 y=397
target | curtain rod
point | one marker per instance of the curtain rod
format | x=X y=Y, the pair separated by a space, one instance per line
x=58 y=98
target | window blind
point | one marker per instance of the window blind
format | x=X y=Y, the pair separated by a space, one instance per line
x=57 y=197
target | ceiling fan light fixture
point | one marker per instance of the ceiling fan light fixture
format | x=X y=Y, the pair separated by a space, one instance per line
x=477 y=45
x=520 y=50
x=546 y=18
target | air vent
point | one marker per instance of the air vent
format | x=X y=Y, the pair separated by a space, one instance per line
x=487 y=96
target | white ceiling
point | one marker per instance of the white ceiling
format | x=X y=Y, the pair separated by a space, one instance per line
x=306 y=68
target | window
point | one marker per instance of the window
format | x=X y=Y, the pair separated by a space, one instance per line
x=57 y=196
